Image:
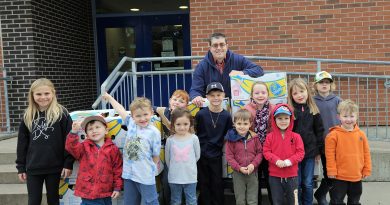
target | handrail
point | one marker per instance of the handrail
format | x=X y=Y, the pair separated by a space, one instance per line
x=107 y=84
x=5 y=78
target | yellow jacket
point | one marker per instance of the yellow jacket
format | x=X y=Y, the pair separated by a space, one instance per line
x=347 y=154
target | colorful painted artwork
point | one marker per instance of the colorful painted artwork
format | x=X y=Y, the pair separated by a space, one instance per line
x=242 y=84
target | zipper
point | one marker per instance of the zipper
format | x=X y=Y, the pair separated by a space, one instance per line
x=95 y=177
x=246 y=153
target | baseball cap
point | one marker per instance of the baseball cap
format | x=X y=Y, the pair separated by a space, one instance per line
x=92 y=118
x=282 y=110
x=214 y=86
x=322 y=75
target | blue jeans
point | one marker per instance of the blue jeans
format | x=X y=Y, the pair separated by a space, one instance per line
x=135 y=192
x=189 y=192
x=305 y=182
x=100 y=201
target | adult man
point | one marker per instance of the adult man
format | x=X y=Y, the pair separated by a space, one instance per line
x=218 y=64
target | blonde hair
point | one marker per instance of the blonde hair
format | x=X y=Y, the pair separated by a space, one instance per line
x=348 y=106
x=259 y=83
x=183 y=94
x=140 y=103
x=301 y=83
x=180 y=112
x=242 y=114
x=52 y=113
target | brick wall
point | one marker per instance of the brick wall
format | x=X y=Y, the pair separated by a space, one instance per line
x=3 y=117
x=334 y=29
x=52 y=39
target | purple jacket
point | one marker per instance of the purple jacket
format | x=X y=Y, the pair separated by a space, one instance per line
x=241 y=151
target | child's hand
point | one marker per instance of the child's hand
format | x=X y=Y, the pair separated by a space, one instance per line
x=318 y=157
x=22 y=177
x=250 y=168
x=106 y=97
x=198 y=101
x=66 y=173
x=331 y=177
x=280 y=163
x=115 y=194
x=244 y=170
x=76 y=126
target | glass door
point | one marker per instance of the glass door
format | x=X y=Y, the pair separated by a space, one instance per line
x=145 y=36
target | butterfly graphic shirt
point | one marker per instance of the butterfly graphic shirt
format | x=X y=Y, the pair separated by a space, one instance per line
x=141 y=144
x=181 y=155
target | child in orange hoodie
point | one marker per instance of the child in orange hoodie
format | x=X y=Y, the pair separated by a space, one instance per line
x=348 y=159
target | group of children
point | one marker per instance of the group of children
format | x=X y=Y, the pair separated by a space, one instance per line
x=278 y=142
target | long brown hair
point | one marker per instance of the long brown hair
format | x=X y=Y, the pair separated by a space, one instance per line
x=180 y=112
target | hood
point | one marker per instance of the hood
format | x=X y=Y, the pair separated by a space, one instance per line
x=327 y=98
x=210 y=60
x=273 y=123
x=338 y=128
x=233 y=136
x=107 y=142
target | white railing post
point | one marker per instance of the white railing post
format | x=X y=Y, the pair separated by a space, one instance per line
x=134 y=76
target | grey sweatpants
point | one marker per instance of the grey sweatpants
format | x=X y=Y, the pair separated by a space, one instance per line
x=246 y=188
x=284 y=190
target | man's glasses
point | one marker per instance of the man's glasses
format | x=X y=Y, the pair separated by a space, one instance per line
x=216 y=45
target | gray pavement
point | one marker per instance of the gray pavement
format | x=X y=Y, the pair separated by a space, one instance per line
x=374 y=193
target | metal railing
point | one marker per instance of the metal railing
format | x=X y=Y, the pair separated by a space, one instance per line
x=5 y=126
x=371 y=92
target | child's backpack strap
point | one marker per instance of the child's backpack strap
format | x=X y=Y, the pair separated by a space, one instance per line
x=164 y=120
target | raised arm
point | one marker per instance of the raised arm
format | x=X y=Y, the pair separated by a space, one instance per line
x=118 y=107
x=72 y=145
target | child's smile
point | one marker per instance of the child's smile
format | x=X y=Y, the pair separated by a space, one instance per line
x=142 y=116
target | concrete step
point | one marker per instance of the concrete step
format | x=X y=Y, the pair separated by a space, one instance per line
x=7 y=158
x=16 y=194
x=8 y=174
x=8 y=151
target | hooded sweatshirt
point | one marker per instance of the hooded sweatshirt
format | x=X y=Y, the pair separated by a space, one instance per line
x=206 y=72
x=347 y=154
x=328 y=110
x=310 y=128
x=278 y=148
x=242 y=151
x=42 y=150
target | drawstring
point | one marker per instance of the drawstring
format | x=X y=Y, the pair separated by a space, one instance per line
x=281 y=179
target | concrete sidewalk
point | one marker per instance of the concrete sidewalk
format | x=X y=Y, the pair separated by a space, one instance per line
x=374 y=193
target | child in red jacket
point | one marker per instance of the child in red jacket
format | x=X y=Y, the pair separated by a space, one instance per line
x=243 y=153
x=283 y=149
x=99 y=177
